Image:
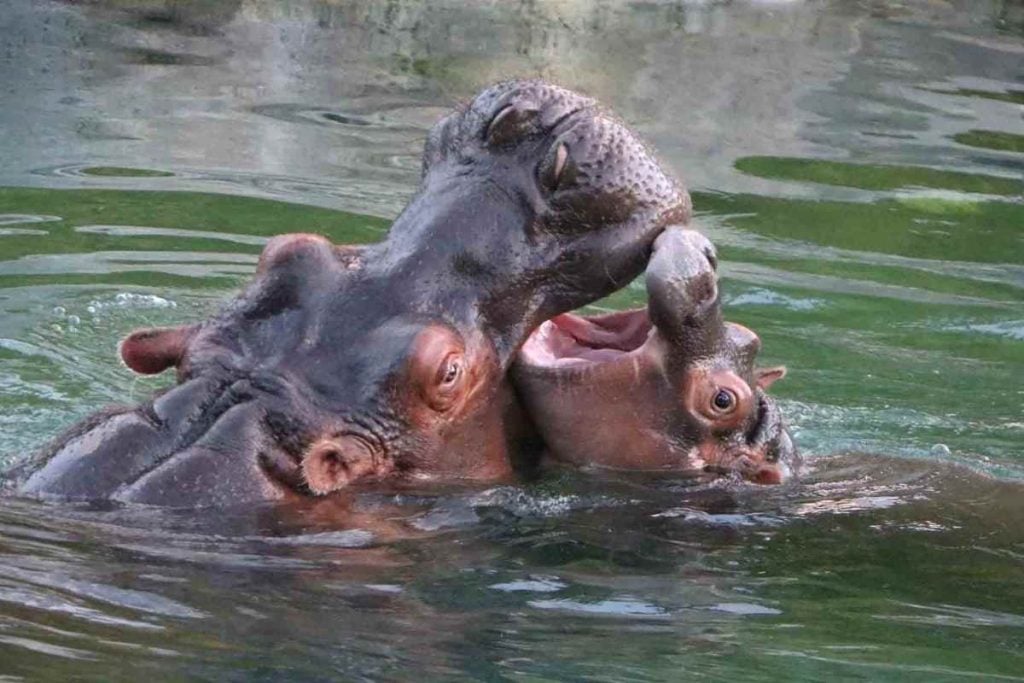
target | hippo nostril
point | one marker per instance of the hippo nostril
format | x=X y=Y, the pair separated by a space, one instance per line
x=509 y=125
x=554 y=166
x=499 y=118
x=561 y=155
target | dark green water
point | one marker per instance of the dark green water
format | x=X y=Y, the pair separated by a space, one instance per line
x=859 y=165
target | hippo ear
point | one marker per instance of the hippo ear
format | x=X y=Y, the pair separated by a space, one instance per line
x=768 y=376
x=155 y=349
x=332 y=464
x=304 y=249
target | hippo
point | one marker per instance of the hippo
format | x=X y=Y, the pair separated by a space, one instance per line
x=668 y=387
x=340 y=364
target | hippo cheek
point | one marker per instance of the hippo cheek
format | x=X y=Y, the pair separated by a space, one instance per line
x=594 y=425
x=473 y=444
x=451 y=397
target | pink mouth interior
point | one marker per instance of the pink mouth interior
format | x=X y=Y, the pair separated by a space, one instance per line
x=568 y=340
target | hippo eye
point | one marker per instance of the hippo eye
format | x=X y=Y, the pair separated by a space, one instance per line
x=451 y=369
x=447 y=383
x=724 y=401
x=437 y=367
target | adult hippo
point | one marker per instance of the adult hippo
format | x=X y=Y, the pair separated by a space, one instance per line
x=340 y=364
x=672 y=386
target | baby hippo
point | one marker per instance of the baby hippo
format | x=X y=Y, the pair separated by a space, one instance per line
x=669 y=387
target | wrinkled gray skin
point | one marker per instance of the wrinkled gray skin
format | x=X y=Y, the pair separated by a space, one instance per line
x=339 y=365
x=669 y=387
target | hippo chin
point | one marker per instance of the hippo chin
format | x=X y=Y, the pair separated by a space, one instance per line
x=343 y=364
x=672 y=386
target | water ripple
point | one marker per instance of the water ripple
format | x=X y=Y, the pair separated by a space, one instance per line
x=144 y=231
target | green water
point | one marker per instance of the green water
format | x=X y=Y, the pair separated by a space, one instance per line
x=858 y=165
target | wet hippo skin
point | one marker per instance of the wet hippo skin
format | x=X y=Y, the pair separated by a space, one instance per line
x=343 y=364
x=669 y=387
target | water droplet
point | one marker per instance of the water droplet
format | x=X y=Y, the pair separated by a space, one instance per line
x=59 y=310
x=941 y=450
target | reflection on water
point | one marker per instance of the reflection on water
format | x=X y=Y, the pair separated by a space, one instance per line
x=871 y=567
x=859 y=165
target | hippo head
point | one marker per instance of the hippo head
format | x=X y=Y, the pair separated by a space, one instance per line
x=343 y=364
x=536 y=202
x=672 y=386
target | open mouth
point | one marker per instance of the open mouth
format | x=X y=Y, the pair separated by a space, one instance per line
x=570 y=340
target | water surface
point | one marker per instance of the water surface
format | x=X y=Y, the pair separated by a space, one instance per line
x=859 y=165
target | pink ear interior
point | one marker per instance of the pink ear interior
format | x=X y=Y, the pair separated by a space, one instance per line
x=769 y=376
x=155 y=349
